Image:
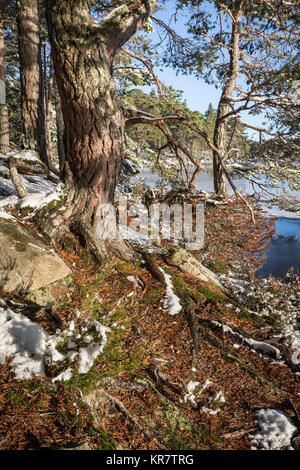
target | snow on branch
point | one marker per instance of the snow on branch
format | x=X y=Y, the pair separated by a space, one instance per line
x=260 y=129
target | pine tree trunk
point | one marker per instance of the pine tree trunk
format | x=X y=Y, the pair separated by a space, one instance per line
x=32 y=88
x=4 y=120
x=94 y=134
x=220 y=138
x=94 y=124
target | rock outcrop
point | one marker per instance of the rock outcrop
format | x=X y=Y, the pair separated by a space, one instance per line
x=187 y=263
x=30 y=269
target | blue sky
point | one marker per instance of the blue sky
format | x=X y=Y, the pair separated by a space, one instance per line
x=196 y=92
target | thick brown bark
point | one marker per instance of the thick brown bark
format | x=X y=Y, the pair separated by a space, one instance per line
x=32 y=88
x=82 y=56
x=4 y=120
x=220 y=180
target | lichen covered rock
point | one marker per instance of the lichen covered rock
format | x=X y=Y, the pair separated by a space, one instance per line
x=183 y=260
x=30 y=269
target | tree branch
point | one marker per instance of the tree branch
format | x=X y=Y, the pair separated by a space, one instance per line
x=159 y=122
x=123 y=22
x=149 y=67
x=172 y=141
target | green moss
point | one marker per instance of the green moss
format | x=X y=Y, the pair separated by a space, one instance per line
x=118 y=359
x=178 y=282
x=123 y=267
x=31 y=390
x=190 y=434
x=115 y=358
x=14 y=397
x=10 y=221
x=154 y=296
x=83 y=382
x=245 y=314
x=57 y=203
x=273 y=320
x=211 y=294
x=26 y=210
x=106 y=441
x=218 y=266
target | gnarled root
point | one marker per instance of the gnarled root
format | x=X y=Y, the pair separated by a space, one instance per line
x=70 y=232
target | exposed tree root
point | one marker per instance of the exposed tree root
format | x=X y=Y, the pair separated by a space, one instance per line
x=128 y=385
x=152 y=267
x=190 y=316
x=232 y=358
x=69 y=230
x=163 y=396
x=160 y=380
x=27 y=165
x=243 y=336
x=129 y=415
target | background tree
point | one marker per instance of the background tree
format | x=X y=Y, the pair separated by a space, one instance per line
x=4 y=120
x=149 y=137
x=12 y=69
x=31 y=74
x=241 y=47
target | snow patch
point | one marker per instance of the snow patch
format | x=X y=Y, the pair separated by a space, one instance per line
x=25 y=342
x=29 y=346
x=6 y=215
x=136 y=281
x=88 y=355
x=38 y=200
x=170 y=301
x=189 y=396
x=275 y=430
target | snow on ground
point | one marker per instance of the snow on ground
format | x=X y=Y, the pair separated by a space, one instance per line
x=25 y=342
x=29 y=347
x=189 y=396
x=38 y=200
x=8 y=201
x=170 y=301
x=275 y=430
x=88 y=355
x=40 y=190
x=209 y=411
x=6 y=215
x=136 y=281
x=33 y=184
x=192 y=395
x=215 y=402
x=28 y=155
x=63 y=376
x=191 y=388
